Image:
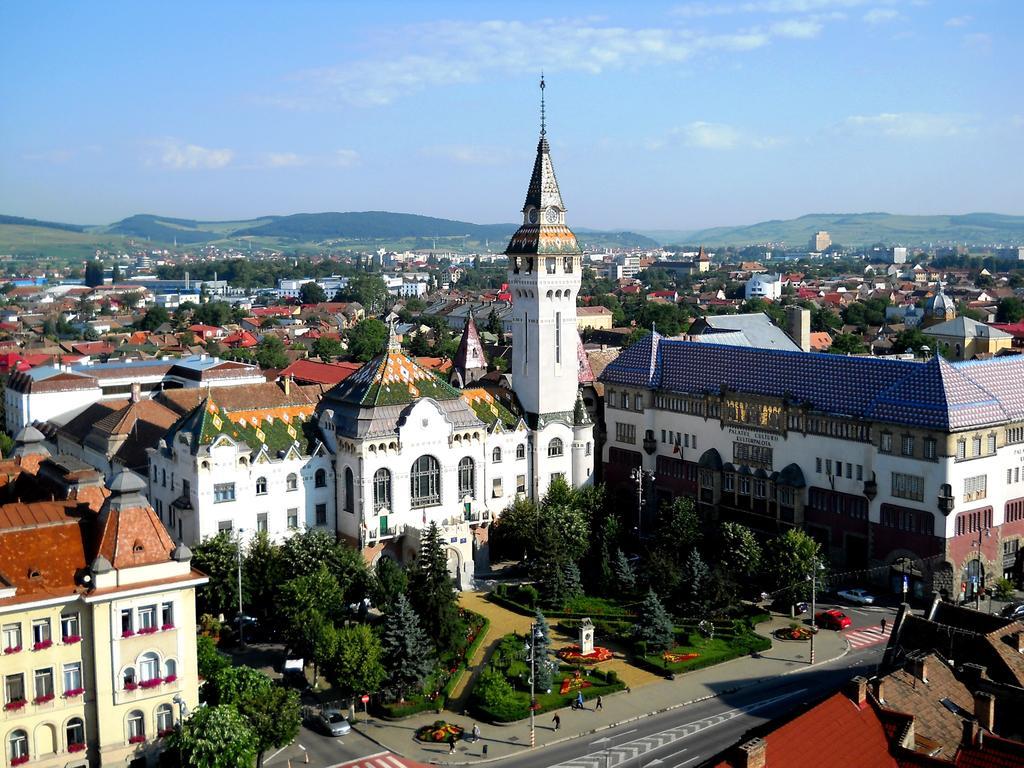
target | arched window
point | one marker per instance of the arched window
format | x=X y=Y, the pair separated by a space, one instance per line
x=164 y=719
x=136 y=727
x=521 y=451
x=74 y=732
x=17 y=745
x=261 y=486
x=292 y=482
x=320 y=478
x=149 y=667
x=129 y=677
x=555 y=447
x=350 y=491
x=170 y=669
x=425 y=482
x=381 y=489
x=496 y=455
x=467 y=477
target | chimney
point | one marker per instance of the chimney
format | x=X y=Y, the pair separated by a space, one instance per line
x=136 y=392
x=972 y=673
x=880 y=689
x=985 y=709
x=919 y=668
x=970 y=730
x=799 y=321
x=753 y=754
x=857 y=690
x=287 y=385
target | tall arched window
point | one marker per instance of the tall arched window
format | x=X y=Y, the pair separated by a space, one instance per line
x=149 y=667
x=320 y=478
x=496 y=455
x=292 y=482
x=170 y=669
x=381 y=489
x=350 y=491
x=521 y=451
x=17 y=745
x=129 y=677
x=425 y=482
x=555 y=447
x=136 y=726
x=164 y=719
x=467 y=478
x=74 y=731
x=261 y=486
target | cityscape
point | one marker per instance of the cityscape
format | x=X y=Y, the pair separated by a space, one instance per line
x=305 y=460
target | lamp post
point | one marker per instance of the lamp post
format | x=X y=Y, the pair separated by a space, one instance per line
x=639 y=475
x=241 y=616
x=815 y=565
x=977 y=576
x=531 y=649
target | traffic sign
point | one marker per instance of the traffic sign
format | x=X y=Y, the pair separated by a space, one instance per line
x=364 y=698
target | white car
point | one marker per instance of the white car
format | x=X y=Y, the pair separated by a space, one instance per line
x=859 y=596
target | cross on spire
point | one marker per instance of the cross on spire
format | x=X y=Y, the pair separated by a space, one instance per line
x=543 y=128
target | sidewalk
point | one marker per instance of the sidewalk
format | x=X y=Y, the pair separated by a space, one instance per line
x=656 y=696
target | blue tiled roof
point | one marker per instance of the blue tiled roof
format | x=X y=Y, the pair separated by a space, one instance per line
x=936 y=394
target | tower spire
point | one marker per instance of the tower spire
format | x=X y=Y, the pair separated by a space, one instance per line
x=543 y=126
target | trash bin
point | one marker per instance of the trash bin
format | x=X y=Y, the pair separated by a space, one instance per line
x=484 y=749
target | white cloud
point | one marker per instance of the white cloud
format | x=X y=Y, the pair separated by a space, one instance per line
x=910 y=125
x=979 y=42
x=344 y=158
x=468 y=154
x=880 y=15
x=959 y=21
x=176 y=154
x=706 y=135
x=285 y=159
x=415 y=57
x=704 y=9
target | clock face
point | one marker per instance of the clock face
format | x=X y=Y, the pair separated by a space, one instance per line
x=551 y=215
x=531 y=215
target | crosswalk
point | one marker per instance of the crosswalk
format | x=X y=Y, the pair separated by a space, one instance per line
x=867 y=636
x=383 y=760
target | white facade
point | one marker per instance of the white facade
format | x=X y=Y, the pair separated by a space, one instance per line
x=763 y=286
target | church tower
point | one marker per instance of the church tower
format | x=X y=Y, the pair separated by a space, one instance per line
x=545 y=272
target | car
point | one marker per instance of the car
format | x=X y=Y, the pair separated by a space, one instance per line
x=832 y=619
x=1013 y=611
x=334 y=722
x=858 y=596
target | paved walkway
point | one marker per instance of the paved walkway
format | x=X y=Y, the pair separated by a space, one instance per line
x=657 y=695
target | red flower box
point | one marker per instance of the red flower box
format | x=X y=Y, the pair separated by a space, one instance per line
x=16 y=704
x=43 y=699
x=76 y=747
x=166 y=627
x=170 y=678
x=71 y=639
x=12 y=649
x=42 y=645
x=130 y=686
x=164 y=732
x=136 y=739
x=147 y=630
x=151 y=683
x=128 y=633
x=70 y=694
x=19 y=760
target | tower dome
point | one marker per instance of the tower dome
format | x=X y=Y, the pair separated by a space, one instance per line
x=939 y=308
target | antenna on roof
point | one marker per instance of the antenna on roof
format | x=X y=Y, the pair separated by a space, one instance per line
x=543 y=126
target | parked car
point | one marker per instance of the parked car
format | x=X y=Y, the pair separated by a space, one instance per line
x=334 y=722
x=1013 y=611
x=832 y=619
x=858 y=596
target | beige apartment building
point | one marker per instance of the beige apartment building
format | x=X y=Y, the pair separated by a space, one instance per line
x=97 y=618
x=597 y=318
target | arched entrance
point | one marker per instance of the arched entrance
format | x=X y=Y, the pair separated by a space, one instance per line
x=455 y=567
x=973 y=579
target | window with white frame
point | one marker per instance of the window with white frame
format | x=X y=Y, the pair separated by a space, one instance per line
x=43 y=683
x=907 y=486
x=496 y=489
x=74 y=731
x=886 y=443
x=164 y=718
x=975 y=487
x=467 y=477
x=41 y=631
x=425 y=482
x=17 y=745
x=149 y=667
x=961 y=449
x=293 y=519
x=520 y=451
x=73 y=676
x=14 y=688
x=127 y=621
x=223 y=492
x=555 y=447
x=261 y=486
x=167 y=616
x=907 y=445
x=70 y=626
x=520 y=483
x=320 y=479
x=136 y=725
x=261 y=522
x=381 y=489
x=291 y=482
x=625 y=433
x=496 y=455
x=11 y=636
x=930 y=448
x=147 y=618
x=975 y=446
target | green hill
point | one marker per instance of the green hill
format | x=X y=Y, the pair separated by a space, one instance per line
x=867 y=228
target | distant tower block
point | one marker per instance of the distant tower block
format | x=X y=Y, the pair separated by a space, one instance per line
x=586 y=637
x=799 y=321
x=820 y=241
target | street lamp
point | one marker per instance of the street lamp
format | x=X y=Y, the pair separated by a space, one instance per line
x=813 y=578
x=241 y=616
x=531 y=646
x=639 y=475
x=978 y=575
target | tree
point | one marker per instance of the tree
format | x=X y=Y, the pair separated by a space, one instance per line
x=696 y=586
x=356 y=664
x=494 y=324
x=787 y=563
x=738 y=552
x=666 y=318
x=406 y=652
x=275 y=717
x=214 y=737
x=847 y=344
x=327 y=348
x=270 y=353
x=115 y=275
x=624 y=575
x=209 y=660
x=217 y=557
x=263 y=574
x=153 y=319
x=543 y=668
x=654 y=625
x=389 y=581
x=306 y=551
x=367 y=339
x=312 y=293
x=94 y=274
x=432 y=594
x=366 y=289
x=911 y=340
x=515 y=534
x=1010 y=310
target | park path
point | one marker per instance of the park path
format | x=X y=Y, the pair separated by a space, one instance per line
x=504 y=622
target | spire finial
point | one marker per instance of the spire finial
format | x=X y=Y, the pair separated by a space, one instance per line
x=543 y=127
x=394 y=345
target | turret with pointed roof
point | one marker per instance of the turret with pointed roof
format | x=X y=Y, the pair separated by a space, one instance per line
x=470 y=363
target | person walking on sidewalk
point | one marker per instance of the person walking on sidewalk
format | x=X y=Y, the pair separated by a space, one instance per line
x=599 y=704
x=451 y=744
x=557 y=721
x=476 y=733
x=579 y=700
x=883 y=625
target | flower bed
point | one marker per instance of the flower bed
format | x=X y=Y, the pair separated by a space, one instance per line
x=165 y=627
x=439 y=732
x=130 y=686
x=19 y=760
x=72 y=693
x=573 y=684
x=147 y=631
x=128 y=633
x=793 y=633
x=12 y=649
x=13 y=705
x=136 y=739
x=170 y=678
x=76 y=747
x=572 y=655
x=42 y=645
x=675 y=658
x=697 y=652
x=151 y=683
x=44 y=699
x=71 y=639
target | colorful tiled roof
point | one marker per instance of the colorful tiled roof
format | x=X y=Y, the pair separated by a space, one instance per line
x=488 y=408
x=936 y=394
x=277 y=430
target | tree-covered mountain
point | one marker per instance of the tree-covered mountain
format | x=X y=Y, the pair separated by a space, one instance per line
x=18 y=221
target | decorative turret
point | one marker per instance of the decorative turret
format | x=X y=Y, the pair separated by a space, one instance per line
x=470 y=363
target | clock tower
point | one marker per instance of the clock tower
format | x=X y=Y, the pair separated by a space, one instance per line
x=545 y=272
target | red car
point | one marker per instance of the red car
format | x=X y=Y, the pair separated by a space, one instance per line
x=832 y=619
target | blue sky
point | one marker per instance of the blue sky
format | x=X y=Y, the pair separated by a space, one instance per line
x=661 y=115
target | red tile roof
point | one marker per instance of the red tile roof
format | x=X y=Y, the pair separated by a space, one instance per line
x=314 y=372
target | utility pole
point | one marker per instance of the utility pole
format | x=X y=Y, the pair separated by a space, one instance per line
x=814 y=593
x=241 y=616
x=639 y=474
x=531 y=647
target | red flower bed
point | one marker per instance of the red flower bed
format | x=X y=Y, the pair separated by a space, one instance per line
x=77 y=747
x=127 y=633
x=12 y=649
x=73 y=693
x=170 y=678
x=130 y=686
x=151 y=683
x=164 y=732
x=166 y=627
x=147 y=631
x=574 y=683
x=19 y=760
x=16 y=704
x=71 y=639
x=571 y=653
x=136 y=739
x=43 y=699
x=440 y=732
x=674 y=658
x=42 y=645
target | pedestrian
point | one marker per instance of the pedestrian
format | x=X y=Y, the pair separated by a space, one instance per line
x=476 y=733
x=883 y=625
x=579 y=700
x=599 y=704
x=557 y=721
x=451 y=744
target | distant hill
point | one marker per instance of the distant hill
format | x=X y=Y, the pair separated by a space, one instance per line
x=865 y=229
x=18 y=221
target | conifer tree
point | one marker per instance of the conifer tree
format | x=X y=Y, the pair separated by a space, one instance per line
x=432 y=594
x=407 y=654
x=624 y=575
x=654 y=625
x=542 y=677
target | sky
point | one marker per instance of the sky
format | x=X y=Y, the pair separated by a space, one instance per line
x=661 y=115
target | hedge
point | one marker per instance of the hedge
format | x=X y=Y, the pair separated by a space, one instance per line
x=518 y=706
x=500 y=597
x=470 y=650
x=737 y=647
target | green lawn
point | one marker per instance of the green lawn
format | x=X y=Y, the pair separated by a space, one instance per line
x=711 y=651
